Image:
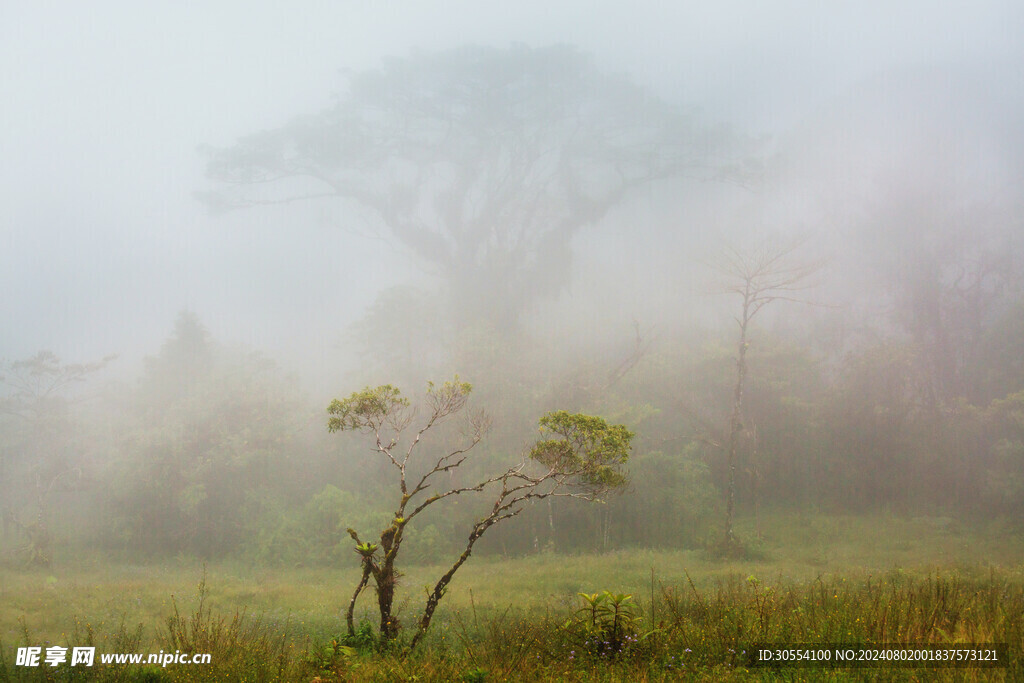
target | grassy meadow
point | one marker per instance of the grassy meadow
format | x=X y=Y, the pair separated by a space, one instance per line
x=809 y=579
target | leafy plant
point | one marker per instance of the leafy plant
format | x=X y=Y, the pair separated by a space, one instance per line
x=609 y=623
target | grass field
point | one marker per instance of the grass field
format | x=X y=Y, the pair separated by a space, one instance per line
x=815 y=579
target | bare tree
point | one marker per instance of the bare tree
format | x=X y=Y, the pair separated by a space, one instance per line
x=759 y=276
x=583 y=459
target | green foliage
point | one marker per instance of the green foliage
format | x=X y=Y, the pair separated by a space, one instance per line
x=286 y=534
x=366 y=409
x=366 y=549
x=425 y=545
x=673 y=500
x=607 y=624
x=364 y=639
x=450 y=397
x=589 y=449
x=477 y=675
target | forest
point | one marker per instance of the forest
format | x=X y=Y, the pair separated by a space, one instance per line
x=502 y=364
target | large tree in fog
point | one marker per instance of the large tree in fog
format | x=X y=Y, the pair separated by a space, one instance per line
x=482 y=162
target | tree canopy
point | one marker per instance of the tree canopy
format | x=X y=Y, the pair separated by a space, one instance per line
x=482 y=162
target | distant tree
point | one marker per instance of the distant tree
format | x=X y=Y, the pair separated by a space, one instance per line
x=411 y=356
x=996 y=366
x=759 y=275
x=482 y=162
x=209 y=433
x=1005 y=485
x=39 y=455
x=183 y=363
x=949 y=270
x=583 y=458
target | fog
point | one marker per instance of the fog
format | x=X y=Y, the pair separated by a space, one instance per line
x=748 y=276
x=217 y=218
x=105 y=107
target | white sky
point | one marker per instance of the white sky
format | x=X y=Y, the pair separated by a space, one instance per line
x=103 y=104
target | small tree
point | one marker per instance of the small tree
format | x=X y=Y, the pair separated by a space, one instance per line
x=582 y=458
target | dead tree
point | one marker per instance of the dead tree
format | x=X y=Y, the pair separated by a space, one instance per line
x=759 y=276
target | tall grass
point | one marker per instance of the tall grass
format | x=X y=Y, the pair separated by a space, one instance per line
x=684 y=632
x=689 y=617
x=241 y=647
x=704 y=634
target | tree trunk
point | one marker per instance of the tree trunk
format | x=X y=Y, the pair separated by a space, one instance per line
x=736 y=426
x=442 y=583
x=389 y=625
x=350 y=614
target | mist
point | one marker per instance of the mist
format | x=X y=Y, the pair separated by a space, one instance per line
x=780 y=243
x=107 y=109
